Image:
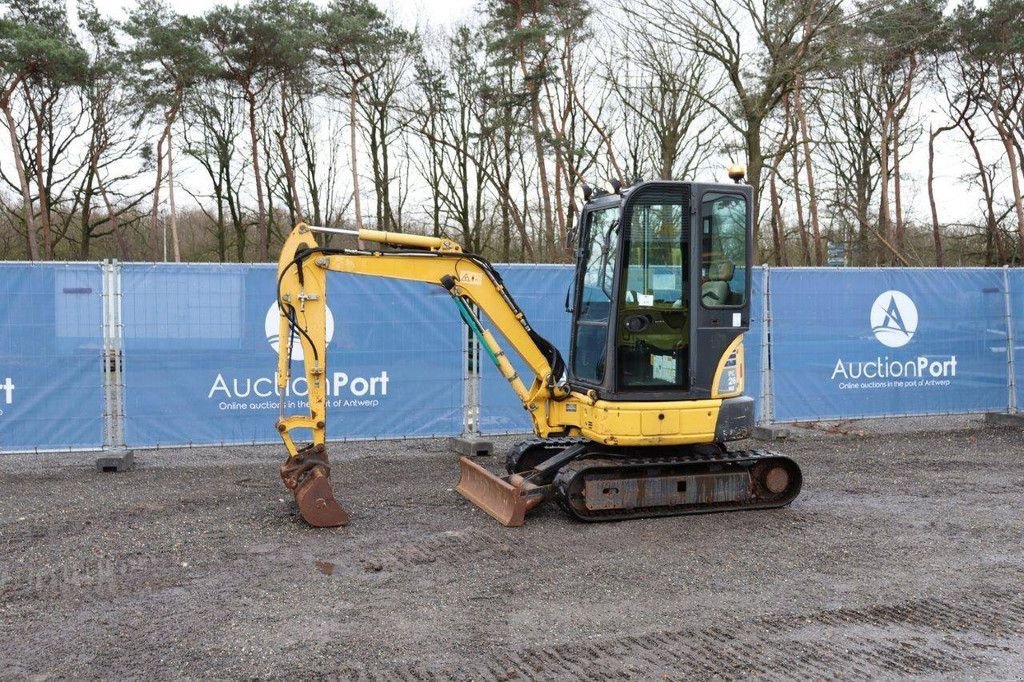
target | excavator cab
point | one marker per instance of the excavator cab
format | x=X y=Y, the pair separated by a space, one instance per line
x=637 y=422
x=662 y=279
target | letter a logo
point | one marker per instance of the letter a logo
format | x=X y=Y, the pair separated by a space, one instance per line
x=270 y=327
x=893 y=319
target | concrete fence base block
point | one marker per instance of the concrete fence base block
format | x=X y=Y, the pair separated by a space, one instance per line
x=116 y=461
x=1005 y=418
x=471 y=446
x=770 y=433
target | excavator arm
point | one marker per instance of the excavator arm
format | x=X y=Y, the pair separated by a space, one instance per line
x=471 y=282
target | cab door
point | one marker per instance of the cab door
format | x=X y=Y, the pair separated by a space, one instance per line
x=597 y=259
x=723 y=226
x=651 y=333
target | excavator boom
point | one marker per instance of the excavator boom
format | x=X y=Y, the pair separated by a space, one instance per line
x=470 y=280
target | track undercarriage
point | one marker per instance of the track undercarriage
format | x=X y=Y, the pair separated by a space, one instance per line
x=594 y=482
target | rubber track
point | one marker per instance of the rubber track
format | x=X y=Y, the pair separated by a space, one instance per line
x=568 y=475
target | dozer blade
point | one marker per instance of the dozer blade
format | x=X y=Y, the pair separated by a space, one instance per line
x=504 y=501
x=308 y=476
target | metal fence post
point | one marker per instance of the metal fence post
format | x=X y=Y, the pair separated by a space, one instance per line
x=767 y=398
x=1011 y=373
x=108 y=400
x=471 y=443
x=117 y=456
x=467 y=384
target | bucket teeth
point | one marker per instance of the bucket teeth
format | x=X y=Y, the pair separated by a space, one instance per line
x=308 y=476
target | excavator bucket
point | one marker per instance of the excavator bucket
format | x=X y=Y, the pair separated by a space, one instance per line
x=308 y=476
x=504 y=501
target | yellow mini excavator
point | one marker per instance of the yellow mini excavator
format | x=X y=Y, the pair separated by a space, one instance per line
x=636 y=423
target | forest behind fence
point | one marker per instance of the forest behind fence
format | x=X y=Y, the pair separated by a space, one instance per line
x=876 y=132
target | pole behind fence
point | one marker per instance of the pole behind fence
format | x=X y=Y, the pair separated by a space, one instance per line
x=1011 y=372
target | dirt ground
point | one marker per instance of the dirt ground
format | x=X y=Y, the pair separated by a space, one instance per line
x=903 y=557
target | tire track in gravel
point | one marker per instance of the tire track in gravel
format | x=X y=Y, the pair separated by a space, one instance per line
x=917 y=637
x=452 y=547
x=93 y=579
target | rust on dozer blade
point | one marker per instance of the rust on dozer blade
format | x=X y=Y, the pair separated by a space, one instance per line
x=308 y=476
x=505 y=500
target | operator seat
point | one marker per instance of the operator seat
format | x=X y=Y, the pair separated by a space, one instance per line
x=715 y=291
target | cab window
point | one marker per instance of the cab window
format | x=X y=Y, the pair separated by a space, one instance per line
x=723 y=250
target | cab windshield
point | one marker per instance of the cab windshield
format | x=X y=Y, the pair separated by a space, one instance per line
x=652 y=330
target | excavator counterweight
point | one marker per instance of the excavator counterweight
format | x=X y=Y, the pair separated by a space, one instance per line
x=637 y=422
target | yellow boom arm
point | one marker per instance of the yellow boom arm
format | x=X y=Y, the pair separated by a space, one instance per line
x=302 y=272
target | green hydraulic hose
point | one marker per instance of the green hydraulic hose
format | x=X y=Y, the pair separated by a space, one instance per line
x=474 y=326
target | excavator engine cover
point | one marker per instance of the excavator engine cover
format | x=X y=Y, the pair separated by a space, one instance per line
x=308 y=476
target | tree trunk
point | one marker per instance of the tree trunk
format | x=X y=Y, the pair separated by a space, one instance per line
x=897 y=196
x=154 y=215
x=506 y=225
x=237 y=222
x=261 y=207
x=222 y=238
x=352 y=99
x=289 y=171
x=884 y=220
x=26 y=195
x=387 y=212
x=115 y=221
x=175 y=247
x=778 y=228
x=542 y=173
x=812 y=197
x=936 y=233
x=801 y=224
x=755 y=165
x=85 y=231
x=44 y=201
x=1011 y=157
x=991 y=237
x=805 y=242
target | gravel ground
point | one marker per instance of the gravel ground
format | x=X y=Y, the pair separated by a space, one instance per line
x=901 y=558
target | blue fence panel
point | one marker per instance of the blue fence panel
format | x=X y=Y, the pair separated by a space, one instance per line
x=200 y=347
x=1015 y=280
x=51 y=351
x=878 y=342
x=540 y=291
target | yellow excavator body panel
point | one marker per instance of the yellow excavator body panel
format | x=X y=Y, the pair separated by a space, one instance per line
x=674 y=422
